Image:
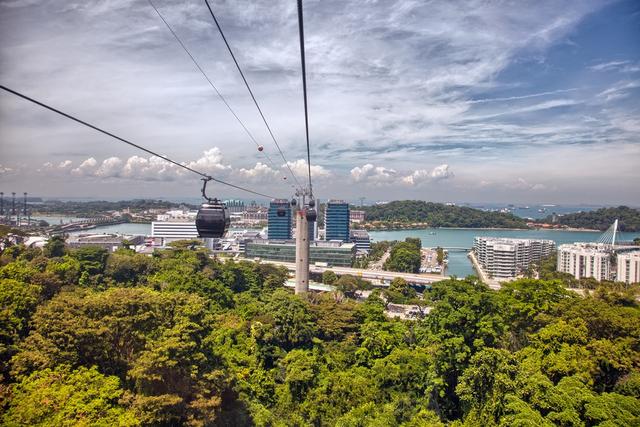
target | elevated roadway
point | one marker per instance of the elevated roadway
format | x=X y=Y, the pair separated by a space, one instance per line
x=384 y=277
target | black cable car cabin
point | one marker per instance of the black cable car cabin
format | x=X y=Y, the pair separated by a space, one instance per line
x=311 y=215
x=213 y=217
x=212 y=220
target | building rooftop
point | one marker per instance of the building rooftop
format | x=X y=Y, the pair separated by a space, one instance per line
x=586 y=247
x=511 y=240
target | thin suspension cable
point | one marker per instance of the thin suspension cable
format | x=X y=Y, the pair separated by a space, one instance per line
x=139 y=147
x=213 y=86
x=251 y=92
x=304 y=89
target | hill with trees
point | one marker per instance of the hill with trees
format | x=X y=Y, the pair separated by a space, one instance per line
x=440 y=215
x=95 y=338
x=601 y=219
x=100 y=207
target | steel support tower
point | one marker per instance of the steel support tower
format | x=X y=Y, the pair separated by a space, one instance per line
x=302 y=252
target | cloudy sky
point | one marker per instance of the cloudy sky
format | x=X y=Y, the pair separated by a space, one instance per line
x=477 y=101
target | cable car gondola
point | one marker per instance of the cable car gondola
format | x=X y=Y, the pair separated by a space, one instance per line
x=213 y=218
x=311 y=215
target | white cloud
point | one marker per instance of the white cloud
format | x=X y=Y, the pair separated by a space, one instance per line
x=153 y=168
x=520 y=97
x=86 y=168
x=149 y=169
x=379 y=175
x=210 y=162
x=422 y=176
x=373 y=174
x=259 y=173
x=300 y=169
x=627 y=124
x=110 y=168
x=619 y=90
x=523 y=184
x=441 y=172
x=621 y=66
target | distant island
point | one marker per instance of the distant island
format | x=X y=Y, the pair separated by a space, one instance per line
x=601 y=219
x=87 y=209
x=418 y=213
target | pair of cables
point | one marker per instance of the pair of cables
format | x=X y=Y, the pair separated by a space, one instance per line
x=200 y=69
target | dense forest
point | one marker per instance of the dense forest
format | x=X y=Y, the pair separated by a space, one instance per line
x=440 y=215
x=601 y=219
x=91 y=338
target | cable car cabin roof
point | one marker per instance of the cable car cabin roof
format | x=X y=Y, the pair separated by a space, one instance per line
x=212 y=220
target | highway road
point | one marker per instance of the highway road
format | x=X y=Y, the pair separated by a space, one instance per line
x=381 y=276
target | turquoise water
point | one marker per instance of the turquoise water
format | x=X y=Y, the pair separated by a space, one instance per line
x=460 y=265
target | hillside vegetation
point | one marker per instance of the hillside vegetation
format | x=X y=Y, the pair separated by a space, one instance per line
x=440 y=215
x=99 y=207
x=601 y=219
x=96 y=339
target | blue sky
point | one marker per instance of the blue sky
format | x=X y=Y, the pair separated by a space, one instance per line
x=446 y=101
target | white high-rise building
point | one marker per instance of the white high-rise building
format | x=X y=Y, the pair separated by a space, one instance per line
x=504 y=258
x=585 y=260
x=628 y=267
x=175 y=225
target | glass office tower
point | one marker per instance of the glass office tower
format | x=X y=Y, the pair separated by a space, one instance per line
x=337 y=220
x=279 y=227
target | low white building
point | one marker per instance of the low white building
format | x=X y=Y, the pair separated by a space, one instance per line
x=177 y=215
x=170 y=231
x=111 y=242
x=628 y=267
x=504 y=258
x=175 y=225
x=583 y=260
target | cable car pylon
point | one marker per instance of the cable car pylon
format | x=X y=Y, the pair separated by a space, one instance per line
x=305 y=217
x=302 y=252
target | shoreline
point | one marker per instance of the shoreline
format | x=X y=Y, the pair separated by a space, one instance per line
x=490 y=229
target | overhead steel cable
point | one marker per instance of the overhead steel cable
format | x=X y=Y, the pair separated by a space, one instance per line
x=304 y=89
x=213 y=86
x=224 y=38
x=139 y=147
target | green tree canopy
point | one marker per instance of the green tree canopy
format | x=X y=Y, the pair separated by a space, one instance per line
x=65 y=397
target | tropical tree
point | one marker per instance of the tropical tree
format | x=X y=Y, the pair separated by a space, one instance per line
x=65 y=397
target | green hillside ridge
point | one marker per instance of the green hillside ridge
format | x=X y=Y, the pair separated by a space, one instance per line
x=440 y=215
x=601 y=219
